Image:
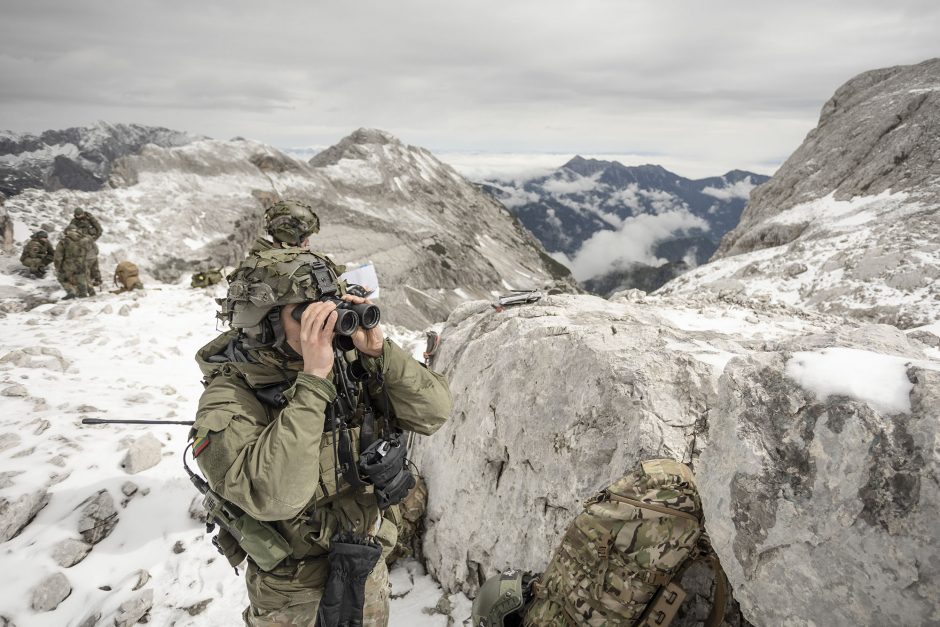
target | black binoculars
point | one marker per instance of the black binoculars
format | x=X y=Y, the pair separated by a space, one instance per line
x=349 y=316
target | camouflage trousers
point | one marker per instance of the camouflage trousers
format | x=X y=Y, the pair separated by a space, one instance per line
x=76 y=284
x=94 y=272
x=282 y=599
x=36 y=266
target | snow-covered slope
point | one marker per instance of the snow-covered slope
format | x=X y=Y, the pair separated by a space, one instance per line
x=434 y=238
x=121 y=357
x=850 y=223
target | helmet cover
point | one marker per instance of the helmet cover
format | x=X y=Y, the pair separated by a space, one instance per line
x=290 y=222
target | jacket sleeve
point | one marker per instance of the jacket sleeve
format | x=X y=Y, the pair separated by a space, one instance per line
x=96 y=225
x=270 y=470
x=421 y=399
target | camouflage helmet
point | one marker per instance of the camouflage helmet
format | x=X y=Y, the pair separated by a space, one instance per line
x=79 y=212
x=499 y=597
x=290 y=221
x=276 y=277
x=40 y=235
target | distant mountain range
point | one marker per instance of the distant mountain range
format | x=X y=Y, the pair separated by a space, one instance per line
x=174 y=203
x=621 y=226
x=78 y=158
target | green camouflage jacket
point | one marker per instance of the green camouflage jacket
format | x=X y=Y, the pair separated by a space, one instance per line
x=87 y=224
x=278 y=464
x=71 y=255
x=37 y=250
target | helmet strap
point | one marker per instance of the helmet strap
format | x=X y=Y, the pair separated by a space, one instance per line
x=279 y=338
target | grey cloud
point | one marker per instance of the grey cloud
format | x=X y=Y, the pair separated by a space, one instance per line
x=739 y=81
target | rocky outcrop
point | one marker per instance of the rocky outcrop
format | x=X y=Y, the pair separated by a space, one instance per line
x=15 y=514
x=99 y=518
x=878 y=132
x=552 y=402
x=823 y=510
x=50 y=592
x=134 y=609
x=555 y=400
x=69 y=552
x=850 y=224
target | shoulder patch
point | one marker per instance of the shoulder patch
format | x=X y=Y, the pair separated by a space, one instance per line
x=200 y=444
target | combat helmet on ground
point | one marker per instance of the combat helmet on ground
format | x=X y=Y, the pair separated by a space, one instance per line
x=291 y=222
x=270 y=279
x=500 y=599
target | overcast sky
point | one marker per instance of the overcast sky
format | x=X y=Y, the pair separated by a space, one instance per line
x=713 y=84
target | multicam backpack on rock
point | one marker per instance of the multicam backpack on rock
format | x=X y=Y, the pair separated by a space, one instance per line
x=620 y=559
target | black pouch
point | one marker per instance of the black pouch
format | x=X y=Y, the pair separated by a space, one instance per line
x=384 y=463
x=352 y=559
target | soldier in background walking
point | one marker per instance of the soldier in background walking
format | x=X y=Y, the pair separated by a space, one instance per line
x=89 y=226
x=37 y=254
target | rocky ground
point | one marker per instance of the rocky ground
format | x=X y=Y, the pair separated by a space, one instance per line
x=96 y=522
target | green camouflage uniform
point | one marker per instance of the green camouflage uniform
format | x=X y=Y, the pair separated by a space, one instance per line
x=71 y=263
x=89 y=226
x=260 y=458
x=37 y=255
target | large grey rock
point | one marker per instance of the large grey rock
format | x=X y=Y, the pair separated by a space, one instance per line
x=98 y=518
x=15 y=514
x=42 y=357
x=876 y=133
x=16 y=390
x=551 y=402
x=823 y=511
x=144 y=453
x=131 y=611
x=850 y=224
x=50 y=592
x=69 y=552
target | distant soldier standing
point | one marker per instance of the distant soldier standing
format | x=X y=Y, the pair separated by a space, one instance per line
x=289 y=223
x=37 y=254
x=6 y=228
x=91 y=228
x=71 y=263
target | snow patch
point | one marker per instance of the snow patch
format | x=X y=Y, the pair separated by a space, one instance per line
x=878 y=380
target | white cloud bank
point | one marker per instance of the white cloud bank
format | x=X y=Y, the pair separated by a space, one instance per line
x=741 y=189
x=632 y=243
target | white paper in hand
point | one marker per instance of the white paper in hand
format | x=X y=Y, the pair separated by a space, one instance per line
x=365 y=276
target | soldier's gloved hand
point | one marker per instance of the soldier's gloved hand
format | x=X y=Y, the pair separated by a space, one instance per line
x=351 y=562
x=367 y=341
x=313 y=336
